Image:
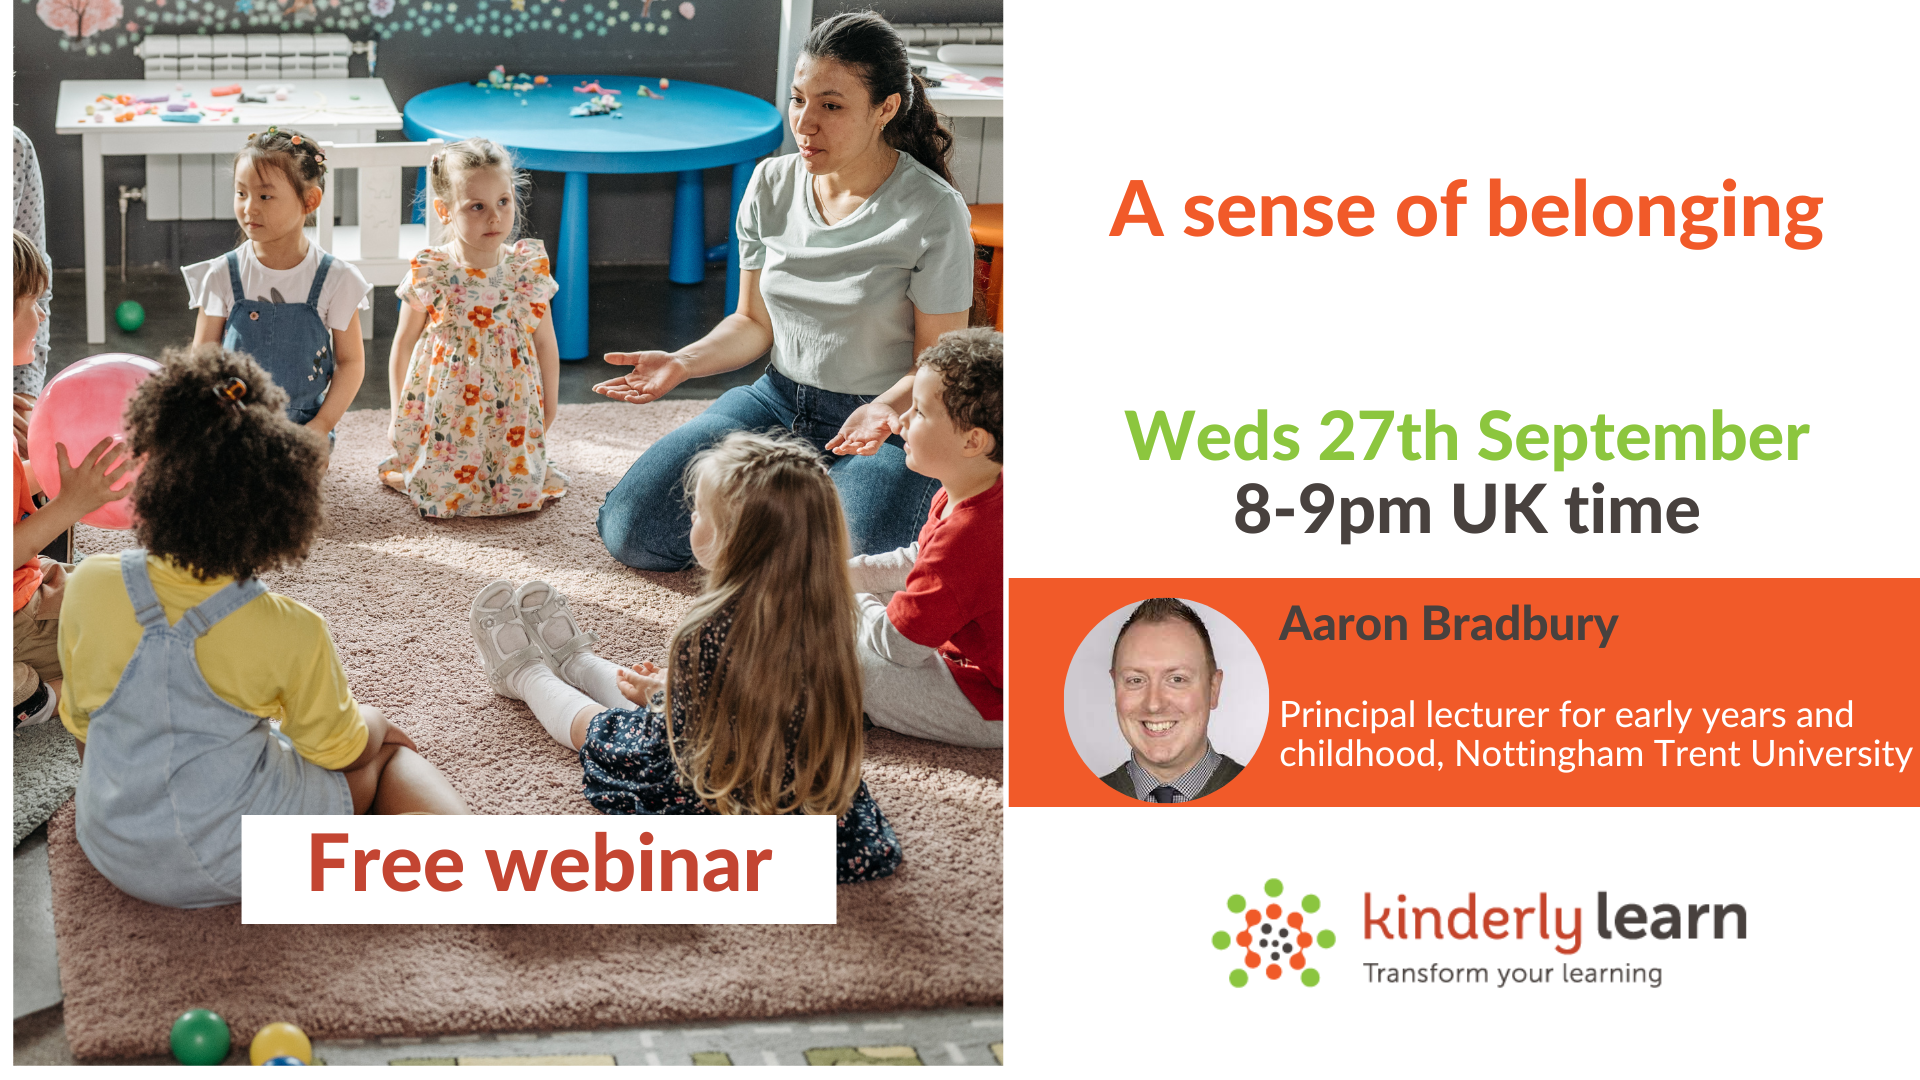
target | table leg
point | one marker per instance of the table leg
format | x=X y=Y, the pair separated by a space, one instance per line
x=94 y=214
x=687 y=263
x=742 y=173
x=570 y=304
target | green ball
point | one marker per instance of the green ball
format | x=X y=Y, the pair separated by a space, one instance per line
x=200 y=1036
x=130 y=315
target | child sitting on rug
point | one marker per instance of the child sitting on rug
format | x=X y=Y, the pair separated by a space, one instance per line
x=40 y=582
x=930 y=652
x=277 y=297
x=475 y=367
x=758 y=711
x=177 y=657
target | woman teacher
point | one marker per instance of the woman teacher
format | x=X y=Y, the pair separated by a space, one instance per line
x=855 y=255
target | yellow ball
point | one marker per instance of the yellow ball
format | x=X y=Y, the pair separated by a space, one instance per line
x=280 y=1040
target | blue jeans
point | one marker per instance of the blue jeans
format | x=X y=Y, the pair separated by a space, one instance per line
x=645 y=520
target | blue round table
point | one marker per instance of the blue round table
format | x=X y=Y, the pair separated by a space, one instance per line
x=691 y=127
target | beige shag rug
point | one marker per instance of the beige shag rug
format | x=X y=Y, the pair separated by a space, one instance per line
x=396 y=590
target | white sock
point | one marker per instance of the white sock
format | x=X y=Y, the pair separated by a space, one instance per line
x=598 y=677
x=554 y=703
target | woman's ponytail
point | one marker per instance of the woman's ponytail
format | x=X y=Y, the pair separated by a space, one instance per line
x=917 y=130
x=866 y=43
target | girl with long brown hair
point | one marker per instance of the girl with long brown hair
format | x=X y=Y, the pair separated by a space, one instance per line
x=759 y=709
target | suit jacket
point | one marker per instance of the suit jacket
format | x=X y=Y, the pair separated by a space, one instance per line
x=1119 y=781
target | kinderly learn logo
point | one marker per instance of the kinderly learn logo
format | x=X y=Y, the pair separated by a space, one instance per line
x=1274 y=937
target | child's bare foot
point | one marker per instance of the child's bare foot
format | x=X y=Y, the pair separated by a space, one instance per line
x=392 y=479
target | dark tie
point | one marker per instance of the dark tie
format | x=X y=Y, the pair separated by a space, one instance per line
x=1165 y=793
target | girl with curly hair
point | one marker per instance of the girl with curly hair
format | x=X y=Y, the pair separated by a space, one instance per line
x=758 y=710
x=197 y=695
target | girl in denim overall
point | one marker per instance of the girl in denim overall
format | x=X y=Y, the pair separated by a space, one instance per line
x=197 y=695
x=278 y=297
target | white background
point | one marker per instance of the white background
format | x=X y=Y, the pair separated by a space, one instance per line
x=1109 y=911
x=1389 y=100
x=1235 y=727
x=1109 y=960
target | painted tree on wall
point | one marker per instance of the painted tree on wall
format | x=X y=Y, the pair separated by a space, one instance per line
x=79 y=18
x=84 y=24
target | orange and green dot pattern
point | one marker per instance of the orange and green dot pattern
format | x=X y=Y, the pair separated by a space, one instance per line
x=1274 y=939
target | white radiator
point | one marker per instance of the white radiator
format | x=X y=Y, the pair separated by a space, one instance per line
x=199 y=187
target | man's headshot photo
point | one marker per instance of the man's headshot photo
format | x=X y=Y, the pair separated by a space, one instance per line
x=1161 y=734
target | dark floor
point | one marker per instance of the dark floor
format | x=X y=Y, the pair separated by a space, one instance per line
x=629 y=308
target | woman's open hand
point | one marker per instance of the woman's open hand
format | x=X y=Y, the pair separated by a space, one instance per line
x=654 y=373
x=866 y=428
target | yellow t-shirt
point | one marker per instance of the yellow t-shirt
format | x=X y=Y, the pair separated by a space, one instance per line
x=273 y=657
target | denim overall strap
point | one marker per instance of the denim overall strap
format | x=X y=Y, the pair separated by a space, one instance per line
x=146 y=604
x=172 y=768
x=319 y=279
x=202 y=616
x=288 y=338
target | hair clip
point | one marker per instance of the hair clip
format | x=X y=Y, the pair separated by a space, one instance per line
x=296 y=140
x=231 y=391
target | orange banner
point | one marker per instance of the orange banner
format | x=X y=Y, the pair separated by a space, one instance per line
x=1550 y=692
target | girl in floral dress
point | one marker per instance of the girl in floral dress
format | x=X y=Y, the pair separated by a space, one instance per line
x=475 y=368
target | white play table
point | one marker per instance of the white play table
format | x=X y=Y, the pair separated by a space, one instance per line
x=322 y=108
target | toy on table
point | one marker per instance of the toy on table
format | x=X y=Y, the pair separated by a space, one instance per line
x=225 y=91
x=593 y=87
x=280 y=1040
x=599 y=106
x=200 y=1036
x=79 y=407
x=130 y=315
x=498 y=79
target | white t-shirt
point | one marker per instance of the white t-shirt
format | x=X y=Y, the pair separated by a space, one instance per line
x=842 y=296
x=211 y=290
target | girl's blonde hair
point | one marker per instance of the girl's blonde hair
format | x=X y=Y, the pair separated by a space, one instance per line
x=778 y=728
x=467 y=155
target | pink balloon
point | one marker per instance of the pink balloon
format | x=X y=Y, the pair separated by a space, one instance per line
x=80 y=406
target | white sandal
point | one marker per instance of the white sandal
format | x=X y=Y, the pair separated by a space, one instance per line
x=543 y=611
x=493 y=612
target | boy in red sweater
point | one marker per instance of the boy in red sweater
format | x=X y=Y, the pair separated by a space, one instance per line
x=930 y=651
